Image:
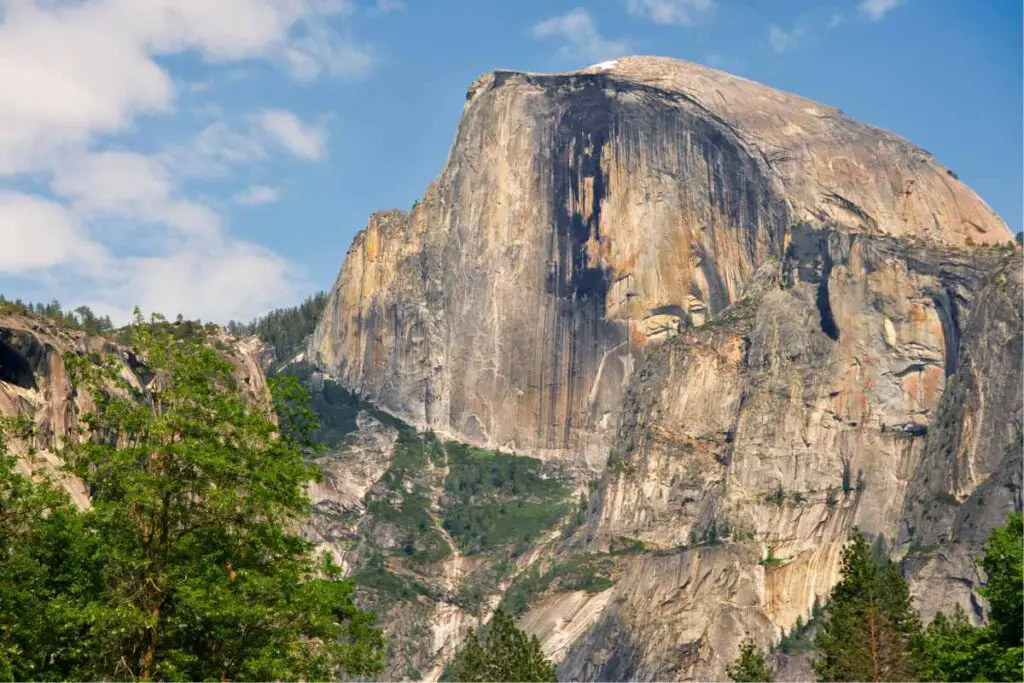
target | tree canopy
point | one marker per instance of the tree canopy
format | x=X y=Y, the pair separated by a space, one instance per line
x=186 y=565
x=955 y=650
x=506 y=654
x=869 y=631
x=751 y=665
x=284 y=329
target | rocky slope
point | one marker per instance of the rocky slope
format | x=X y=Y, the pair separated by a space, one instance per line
x=748 y=321
x=35 y=386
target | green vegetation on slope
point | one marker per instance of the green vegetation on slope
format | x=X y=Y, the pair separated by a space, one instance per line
x=334 y=405
x=591 y=573
x=284 y=329
x=496 y=501
x=185 y=565
x=751 y=666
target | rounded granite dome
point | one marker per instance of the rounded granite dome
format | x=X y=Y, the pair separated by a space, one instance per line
x=833 y=169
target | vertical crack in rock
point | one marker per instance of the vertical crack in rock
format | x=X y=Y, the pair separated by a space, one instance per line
x=946 y=308
x=828 y=321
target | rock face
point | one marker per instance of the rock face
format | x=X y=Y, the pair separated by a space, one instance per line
x=34 y=384
x=756 y=322
x=751 y=446
x=577 y=206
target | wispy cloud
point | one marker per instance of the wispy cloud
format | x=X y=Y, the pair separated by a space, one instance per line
x=581 y=39
x=876 y=9
x=678 y=12
x=783 y=41
x=133 y=186
x=306 y=141
x=257 y=194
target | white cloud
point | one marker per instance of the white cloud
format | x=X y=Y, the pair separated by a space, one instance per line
x=72 y=70
x=221 y=281
x=257 y=194
x=782 y=40
x=876 y=9
x=306 y=141
x=582 y=40
x=114 y=225
x=38 y=233
x=129 y=185
x=679 y=12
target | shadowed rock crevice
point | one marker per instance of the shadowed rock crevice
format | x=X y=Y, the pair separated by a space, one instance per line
x=20 y=357
x=828 y=321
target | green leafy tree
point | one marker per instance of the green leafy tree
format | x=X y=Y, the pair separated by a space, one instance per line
x=1003 y=562
x=1002 y=650
x=507 y=654
x=869 y=631
x=950 y=648
x=751 y=665
x=187 y=565
x=48 y=575
x=954 y=650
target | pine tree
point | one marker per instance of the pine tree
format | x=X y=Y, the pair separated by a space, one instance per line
x=507 y=654
x=869 y=631
x=751 y=665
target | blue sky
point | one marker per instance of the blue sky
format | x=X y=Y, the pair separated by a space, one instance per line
x=216 y=158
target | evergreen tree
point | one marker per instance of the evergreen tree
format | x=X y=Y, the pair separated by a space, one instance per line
x=507 y=654
x=869 y=631
x=186 y=566
x=751 y=665
x=954 y=650
x=950 y=647
x=285 y=329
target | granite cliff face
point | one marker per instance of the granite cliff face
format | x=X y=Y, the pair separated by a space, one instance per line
x=575 y=207
x=751 y=446
x=748 y=321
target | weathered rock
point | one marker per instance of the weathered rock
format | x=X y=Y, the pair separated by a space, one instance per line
x=770 y=321
x=576 y=206
x=813 y=406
